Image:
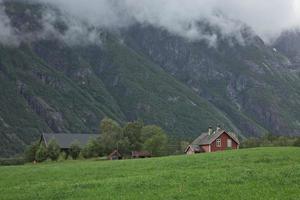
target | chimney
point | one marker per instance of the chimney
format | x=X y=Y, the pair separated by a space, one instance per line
x=218 y=127
x=210 y=130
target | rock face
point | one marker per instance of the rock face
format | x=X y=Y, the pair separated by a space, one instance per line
x=289 y=45
x=248 y=82
x=53 y=119
x=144 y=73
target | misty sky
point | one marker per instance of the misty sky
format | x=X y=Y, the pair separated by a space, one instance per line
x=266 y=17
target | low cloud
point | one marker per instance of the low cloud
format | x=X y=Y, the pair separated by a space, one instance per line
x=7 y=33
x=85 y=18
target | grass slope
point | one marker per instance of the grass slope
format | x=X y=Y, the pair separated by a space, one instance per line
x=263 y=173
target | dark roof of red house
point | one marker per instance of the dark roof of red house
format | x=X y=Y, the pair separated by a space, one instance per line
x=205 y=138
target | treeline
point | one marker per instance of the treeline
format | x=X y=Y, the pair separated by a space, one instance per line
x=270 y=140
x=133 y=136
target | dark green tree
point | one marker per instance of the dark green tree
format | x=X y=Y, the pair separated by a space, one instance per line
x=30 y=151
x=53 y=150
x=133 y=131
x=111 y=135
x=41 y=154
x=297 y=142
x=123 y=145
x=92 y=149
x=155 y=140
x=74 y=150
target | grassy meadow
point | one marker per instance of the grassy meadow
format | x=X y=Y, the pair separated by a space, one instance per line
x=262 y=173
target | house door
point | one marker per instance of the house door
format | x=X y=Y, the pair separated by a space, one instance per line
x=229 y=143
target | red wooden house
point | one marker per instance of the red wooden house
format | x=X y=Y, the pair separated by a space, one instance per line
x=212 y=141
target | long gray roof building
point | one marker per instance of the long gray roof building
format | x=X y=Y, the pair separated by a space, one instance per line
x=64 y=140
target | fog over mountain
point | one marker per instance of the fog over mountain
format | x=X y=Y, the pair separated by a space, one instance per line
x=267 y=18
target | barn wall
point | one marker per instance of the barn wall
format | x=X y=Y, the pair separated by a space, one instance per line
x=223 y=147
x=205 y=148
x=190 y=152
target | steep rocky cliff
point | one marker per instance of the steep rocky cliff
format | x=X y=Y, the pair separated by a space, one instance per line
x=250 y=82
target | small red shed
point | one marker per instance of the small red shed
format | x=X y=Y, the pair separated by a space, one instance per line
x=218 y=140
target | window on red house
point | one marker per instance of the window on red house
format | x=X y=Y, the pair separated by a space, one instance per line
x=218 y=142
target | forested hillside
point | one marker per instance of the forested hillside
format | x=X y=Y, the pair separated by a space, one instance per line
x=140 y=72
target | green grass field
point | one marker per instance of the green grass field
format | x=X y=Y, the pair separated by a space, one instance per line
x=263 y=173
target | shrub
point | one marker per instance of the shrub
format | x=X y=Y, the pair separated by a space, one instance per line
x=85 y=153
x=53 y=150
x=74 y=150
x=41 y=154
x=92 y=149
x=132 y=131
x=30 y=151
x=155 y=140
x=297 y=142
x=12 y=161
x=63 y=156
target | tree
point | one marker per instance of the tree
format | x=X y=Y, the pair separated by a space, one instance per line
x=111 y=134
x=74 y=150
x=251 y=142
x=92 y=149
x=53 y=150
x=64 y=155
x=297 y=142
x=269 y=137
x=41 y=154
x=132 y=131
x=123 y=145
x=155 y=140
x=30 y=151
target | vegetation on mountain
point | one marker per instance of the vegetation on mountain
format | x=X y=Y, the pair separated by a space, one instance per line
x=270 y=140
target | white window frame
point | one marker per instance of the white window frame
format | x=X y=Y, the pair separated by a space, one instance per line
x=218 y=142
x=229 y=143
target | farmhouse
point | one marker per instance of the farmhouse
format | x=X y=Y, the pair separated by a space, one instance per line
x=65 y=140
x=218 y=140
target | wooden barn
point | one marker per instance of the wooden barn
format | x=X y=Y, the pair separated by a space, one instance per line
x=218 y=140
x=141 y=154
x=115 y=155
x=64 y=140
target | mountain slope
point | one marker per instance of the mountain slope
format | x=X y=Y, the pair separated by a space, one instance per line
x=249 y=82
x=142 y=72
x=62 y=88
x=289 y=44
